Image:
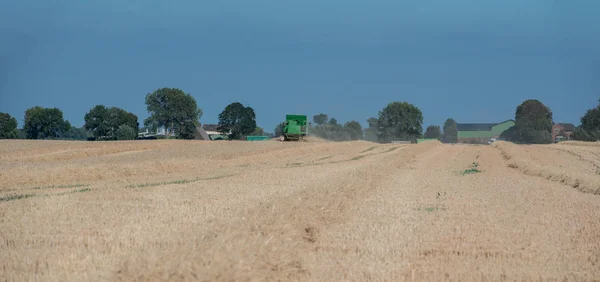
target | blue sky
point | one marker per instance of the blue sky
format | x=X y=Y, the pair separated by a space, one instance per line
x=474 y=61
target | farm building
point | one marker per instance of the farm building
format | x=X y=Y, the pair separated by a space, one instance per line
x=481 y=132
x=562 y=131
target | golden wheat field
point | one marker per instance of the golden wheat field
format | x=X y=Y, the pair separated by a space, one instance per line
x=304 y=211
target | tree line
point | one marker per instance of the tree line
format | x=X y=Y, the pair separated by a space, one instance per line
x=178 y=114
x=401 y=121
x=170 y=109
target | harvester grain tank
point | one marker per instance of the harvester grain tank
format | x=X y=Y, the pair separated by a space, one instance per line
x=295 y=128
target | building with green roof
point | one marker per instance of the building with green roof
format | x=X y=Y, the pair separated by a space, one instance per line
x=481 y=132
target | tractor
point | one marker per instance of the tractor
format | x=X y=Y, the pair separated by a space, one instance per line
x=295 y=128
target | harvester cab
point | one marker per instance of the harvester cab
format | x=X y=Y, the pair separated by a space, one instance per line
x=295 y=128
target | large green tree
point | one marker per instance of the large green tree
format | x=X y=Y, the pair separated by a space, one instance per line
x=400 y=121
x=433 y=132
x=45 y=123
x=354 y=129
x=237 y=121
x=450 y=131
x=589 y=130
x=533 y=123
x=8 y=126
x=103 y=122
x=96 y=122
x=174 y=110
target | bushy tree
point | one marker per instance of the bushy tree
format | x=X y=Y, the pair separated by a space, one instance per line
x=333 y=121
x=371 y=131
x=21 y=134
x=354 y=130
x=96 y=121
x=44 y=123
x=591 y=120
x=8 y=126
x=103 y=122
x=533 y=123
x=320 y=119
x=400 y=121
x=433 y=132
x=450 y=131
x=580 y=134
x=174 y=110
x=589 y=130
x=237 y=121
x=187 y=130
x=510 y=135
x=75 y=133
x=126 y=132
x=258 y=132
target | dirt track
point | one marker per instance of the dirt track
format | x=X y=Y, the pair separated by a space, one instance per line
x=188 y=210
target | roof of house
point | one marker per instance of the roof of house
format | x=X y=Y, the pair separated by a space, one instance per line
x=567 y=126
x=474 y=126
x=477 y=126
x=210 y=127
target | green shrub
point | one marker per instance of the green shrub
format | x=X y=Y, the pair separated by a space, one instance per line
x=126 y=132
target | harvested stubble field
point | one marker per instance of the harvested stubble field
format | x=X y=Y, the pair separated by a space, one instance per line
x=310 y=211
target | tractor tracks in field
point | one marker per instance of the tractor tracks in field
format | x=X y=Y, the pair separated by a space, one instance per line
x=270 y=236
x=575 y=177
x=369 y=152
x=595 y=164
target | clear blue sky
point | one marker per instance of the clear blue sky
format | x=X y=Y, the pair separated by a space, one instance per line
x=474 y=61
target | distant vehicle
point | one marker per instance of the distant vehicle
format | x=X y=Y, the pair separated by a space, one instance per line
x=492 y=140
x=295 y=128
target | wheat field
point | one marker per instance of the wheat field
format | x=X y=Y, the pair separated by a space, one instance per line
x=174 y=210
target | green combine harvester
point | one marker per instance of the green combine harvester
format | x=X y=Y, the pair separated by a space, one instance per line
x=295 y=128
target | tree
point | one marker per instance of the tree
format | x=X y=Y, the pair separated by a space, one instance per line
x=236 y=121
x=450 y=131
x=75 y=133
x=589 y=130
x=433 y=132
x=43 y=123
x=580 y=134
x=96 y=121
x=333 y=121
x=510 y=134
x=187 y=130
x=104 y=122
x=591 y=120
x=400 y=120
x=371 y=131
x=320 y=119
x=354 y=129
x=258 y=132
x=8 y=126
x=174 y=110
x=533 y=123
x=126 y=132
